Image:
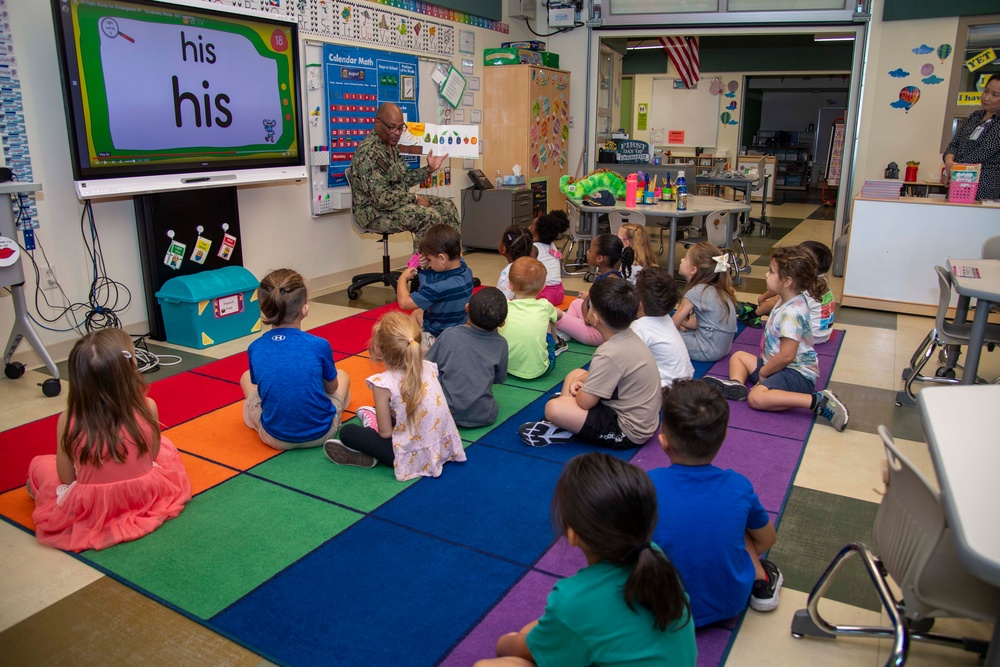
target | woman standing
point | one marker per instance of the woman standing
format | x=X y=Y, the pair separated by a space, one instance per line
x=978 y=142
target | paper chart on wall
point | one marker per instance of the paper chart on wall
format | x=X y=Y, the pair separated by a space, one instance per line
x=457 y=141
x=375 y=26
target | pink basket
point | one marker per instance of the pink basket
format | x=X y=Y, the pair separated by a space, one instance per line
x=962 y=192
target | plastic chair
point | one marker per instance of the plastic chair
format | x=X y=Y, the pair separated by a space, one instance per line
x=991 y=248
x=619 y=218
x=762 y=180
x=387 y=277
x=576 y=243
x=947 y=334
x=714 y=231
x=918 y=551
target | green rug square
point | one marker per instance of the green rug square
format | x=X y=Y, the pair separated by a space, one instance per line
x=225 y=543
x=565 y=362
x=309 y=471
x=510 y=399
x=815 y=526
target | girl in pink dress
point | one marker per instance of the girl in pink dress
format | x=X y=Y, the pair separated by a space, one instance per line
x=113 y=478
x=410 y=428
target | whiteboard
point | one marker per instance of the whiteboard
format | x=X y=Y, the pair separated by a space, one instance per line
x=695 y=112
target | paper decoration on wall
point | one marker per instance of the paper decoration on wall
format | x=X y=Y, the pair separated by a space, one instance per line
x=14 y=135
x=932 y=80
x=899 y=73
x=908 y=96
x=732 y=105
x=923 y=49
x=732 y=87
x=715 y=87
x=727 y=118
x=356 y=22
x=944 y=51
x=926 y=69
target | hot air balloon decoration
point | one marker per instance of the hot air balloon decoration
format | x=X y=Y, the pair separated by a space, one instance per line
x=944 y=51
x=908 y=96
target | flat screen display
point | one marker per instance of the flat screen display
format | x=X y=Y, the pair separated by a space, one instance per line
x=177 y=96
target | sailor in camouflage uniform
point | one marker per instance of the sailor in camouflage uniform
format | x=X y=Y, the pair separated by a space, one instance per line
x=382 y=200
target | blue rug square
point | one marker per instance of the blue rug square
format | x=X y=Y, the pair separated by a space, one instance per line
x=510 y=515
x=378 y=594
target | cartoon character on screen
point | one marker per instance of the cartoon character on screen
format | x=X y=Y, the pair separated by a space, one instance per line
x=269 y=128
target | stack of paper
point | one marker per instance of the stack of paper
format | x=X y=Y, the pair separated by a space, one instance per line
x=881 y=189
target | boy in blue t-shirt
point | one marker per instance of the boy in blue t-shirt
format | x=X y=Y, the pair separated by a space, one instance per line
x=712 y=526
x=445 y=284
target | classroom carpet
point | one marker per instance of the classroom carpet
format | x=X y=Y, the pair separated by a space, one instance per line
x=305 y=562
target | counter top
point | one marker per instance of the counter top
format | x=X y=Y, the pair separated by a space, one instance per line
x=922 y=200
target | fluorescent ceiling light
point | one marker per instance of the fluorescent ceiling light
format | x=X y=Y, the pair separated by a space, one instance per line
x=640 y=47
x=833 y=38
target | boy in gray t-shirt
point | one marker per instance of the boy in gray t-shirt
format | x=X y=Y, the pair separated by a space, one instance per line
x=472 y=358
x=616 y=403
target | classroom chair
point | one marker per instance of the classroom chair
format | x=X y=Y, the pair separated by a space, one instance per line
x=917 y=550
x=991 y=248
x=619 y=218
x=713 y=230
x=947 y=334
x=387 y=276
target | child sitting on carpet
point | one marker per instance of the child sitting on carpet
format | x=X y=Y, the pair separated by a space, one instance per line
x=113 y=477
x=530 y=329
x=294 y=394
x=712 y=526
x=627 y=607
x=606 y=252
x=616 y=403
x=515 y=242
x=445 y=284
x=410 y=427
x=706 y=316
x=472 y=358
x=636 y=240
x=820 y=311
x=786 y=372
x=546 y=229
x=657 y=291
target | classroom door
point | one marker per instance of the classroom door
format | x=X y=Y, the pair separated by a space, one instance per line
x=626 y=106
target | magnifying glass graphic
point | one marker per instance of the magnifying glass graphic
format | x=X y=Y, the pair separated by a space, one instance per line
x=109 y=27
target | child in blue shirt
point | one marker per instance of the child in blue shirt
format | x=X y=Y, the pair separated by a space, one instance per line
x=294 y=394
x=711 y=526
x=445 y=284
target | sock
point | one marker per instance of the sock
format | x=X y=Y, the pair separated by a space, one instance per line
x=816 y=398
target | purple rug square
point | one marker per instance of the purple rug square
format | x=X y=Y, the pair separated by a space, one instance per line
x=768 y=461
x=750 y=337
x=651 y=455
x=789 y=424
x=831 y=347
x=522 y=604
x=562 y=559
x=712 y=644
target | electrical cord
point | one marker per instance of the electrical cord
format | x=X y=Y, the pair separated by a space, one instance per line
x=150 y=362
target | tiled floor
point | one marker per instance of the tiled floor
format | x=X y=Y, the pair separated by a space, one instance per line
x=53 y=609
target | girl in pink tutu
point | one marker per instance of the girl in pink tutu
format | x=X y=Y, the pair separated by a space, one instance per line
x=113 y=478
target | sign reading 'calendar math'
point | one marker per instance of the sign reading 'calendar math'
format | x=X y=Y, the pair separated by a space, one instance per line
x=357 y=82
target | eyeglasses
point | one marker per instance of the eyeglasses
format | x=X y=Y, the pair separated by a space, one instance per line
x=392 y=128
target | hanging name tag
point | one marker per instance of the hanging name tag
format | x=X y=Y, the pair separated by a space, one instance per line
x=228 y=245
x=976 y=133
x=201 y=248
x=175 y=255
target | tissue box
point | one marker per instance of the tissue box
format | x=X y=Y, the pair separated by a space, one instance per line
x=211 y=307
x=510 y=179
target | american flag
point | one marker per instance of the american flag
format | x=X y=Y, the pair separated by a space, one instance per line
x=683 y=53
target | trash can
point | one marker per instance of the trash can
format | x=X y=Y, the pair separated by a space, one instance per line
x=840 y=253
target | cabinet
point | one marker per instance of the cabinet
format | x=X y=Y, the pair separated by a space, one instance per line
x=792 y=152
x=526 y=122
x=486 y=213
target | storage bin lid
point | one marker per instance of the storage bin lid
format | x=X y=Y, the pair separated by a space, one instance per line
x=207 y=285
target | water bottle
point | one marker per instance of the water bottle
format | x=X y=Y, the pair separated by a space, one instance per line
x=499 y=180
x=631 y=186
x=681 y=190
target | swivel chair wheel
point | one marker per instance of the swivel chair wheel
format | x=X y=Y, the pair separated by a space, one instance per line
x=589 y=277
x=923 y=625
x=945 y=372
x=353 y=294
x=14 y=370
x=51 y=387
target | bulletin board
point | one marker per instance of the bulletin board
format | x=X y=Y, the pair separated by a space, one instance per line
x=694 y=112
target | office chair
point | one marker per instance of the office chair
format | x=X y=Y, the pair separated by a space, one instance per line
x=947 y=334
x=387 y=276
x=763 y=178
x=918 y=551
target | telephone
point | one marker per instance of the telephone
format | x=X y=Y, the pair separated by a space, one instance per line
x=479 y=180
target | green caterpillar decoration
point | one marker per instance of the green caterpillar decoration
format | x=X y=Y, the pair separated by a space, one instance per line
x=599 y=179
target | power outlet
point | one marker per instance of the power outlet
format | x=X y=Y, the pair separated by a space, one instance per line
x=49 y=279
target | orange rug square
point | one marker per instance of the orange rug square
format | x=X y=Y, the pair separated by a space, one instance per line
x=17 y=506
x=223 y=437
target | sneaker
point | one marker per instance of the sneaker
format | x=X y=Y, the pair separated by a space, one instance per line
x=343 y=455
x=754 y=322
x=366 y=414
x=745 y=309
x=734 y=390
x=764 y=595
x=561 y=346
x=833 y=410
x=542 y=434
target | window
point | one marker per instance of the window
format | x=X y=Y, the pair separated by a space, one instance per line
x=976 y=34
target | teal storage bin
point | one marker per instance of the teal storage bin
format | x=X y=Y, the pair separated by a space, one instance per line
x=210 y=307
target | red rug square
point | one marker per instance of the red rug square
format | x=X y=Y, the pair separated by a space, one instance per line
x=189 y=395
x=349 y=336
x=21 y=444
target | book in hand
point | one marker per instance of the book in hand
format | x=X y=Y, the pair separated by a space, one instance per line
x=457 y=141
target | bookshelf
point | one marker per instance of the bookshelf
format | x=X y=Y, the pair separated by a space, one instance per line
x=792 y=153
